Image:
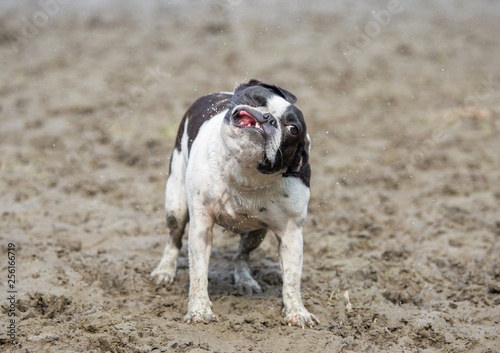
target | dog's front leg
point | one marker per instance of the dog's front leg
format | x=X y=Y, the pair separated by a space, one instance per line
x=290 y=251
x=200 y=246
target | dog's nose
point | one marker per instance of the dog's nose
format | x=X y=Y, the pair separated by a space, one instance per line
x=269 y=118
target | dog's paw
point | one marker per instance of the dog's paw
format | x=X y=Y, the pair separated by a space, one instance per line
x=243 y=280
x=165 y=271
x=200 y=314
x=300 y=317
x=247 y=286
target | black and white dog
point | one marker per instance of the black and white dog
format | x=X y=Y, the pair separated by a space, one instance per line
x=240 y=161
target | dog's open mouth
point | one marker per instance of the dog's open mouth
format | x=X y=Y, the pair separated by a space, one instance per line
x=244 y=119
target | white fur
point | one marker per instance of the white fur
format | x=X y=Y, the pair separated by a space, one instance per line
x=277 y=105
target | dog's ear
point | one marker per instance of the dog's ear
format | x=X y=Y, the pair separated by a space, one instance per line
x=273 y=88
x=300 y=164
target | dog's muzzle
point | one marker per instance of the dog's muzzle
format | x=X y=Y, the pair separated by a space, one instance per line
x=247 y=118
x=254 y=122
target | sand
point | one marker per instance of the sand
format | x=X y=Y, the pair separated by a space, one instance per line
x=403 y=107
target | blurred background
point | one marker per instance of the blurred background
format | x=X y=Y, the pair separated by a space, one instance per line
x=402 y=104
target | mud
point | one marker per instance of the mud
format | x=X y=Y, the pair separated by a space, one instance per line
x=403 y=106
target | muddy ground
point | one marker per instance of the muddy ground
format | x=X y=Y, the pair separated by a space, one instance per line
x=402 y=101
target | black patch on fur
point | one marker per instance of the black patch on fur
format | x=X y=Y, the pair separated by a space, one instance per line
x=299 y=165
x=304 y=175
x=172 y=222
x=300 y=168
x=294 y=153
x=202 y=110
x=176 y=226
x=273 y=88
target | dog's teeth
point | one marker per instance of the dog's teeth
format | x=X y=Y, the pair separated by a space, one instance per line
x=257 y=125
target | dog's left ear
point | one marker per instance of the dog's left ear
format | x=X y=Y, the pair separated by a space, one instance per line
x=300 y=164
x=273 y=88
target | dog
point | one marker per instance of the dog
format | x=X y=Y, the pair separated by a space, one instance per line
x=241 y=160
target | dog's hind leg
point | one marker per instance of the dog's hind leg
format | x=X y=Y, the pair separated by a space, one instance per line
x=242 y=278
x=176 y=210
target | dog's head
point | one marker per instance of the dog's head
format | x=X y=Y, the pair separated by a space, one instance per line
x=263 y=126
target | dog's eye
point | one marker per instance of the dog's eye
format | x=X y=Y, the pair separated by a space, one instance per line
x=294 y=130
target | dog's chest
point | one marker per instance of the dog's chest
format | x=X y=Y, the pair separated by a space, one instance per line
x=242 y=213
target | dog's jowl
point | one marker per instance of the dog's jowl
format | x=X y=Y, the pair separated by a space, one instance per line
x=240 y=161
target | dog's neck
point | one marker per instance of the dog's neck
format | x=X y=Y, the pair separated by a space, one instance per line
x=238 y=165
x=247 y=178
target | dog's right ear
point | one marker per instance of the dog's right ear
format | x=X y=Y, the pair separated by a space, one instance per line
x=273 y=88
x=300 y=167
